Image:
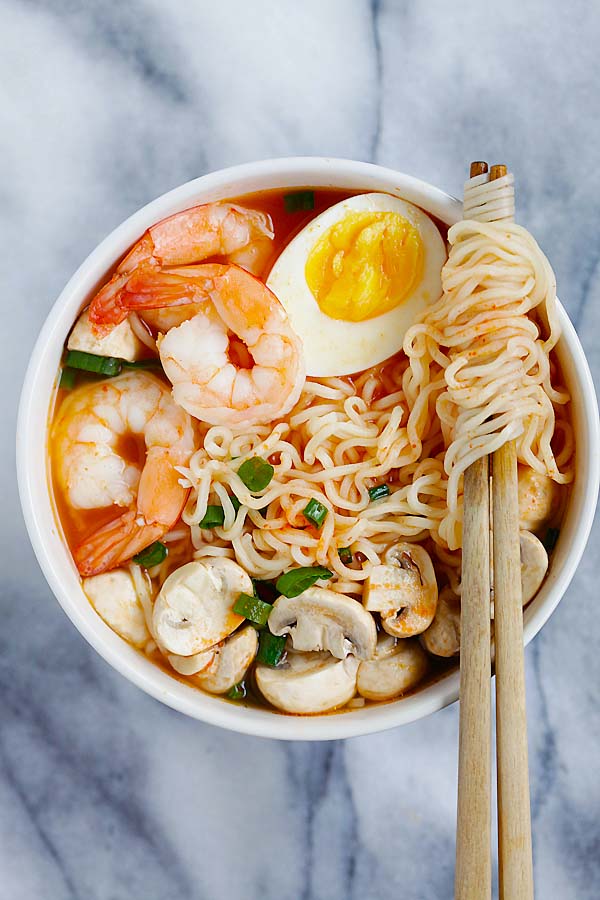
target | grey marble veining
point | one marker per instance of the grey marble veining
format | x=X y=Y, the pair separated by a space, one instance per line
x=104 y=105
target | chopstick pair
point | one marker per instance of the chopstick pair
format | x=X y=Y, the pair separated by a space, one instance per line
x=473 y=835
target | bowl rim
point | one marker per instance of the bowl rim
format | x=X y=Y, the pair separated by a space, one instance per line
x=114 y=650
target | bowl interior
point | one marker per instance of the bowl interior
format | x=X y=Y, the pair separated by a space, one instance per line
x=44 y=528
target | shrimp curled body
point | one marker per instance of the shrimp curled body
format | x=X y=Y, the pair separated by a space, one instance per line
x=231 y=354
x=87 y=438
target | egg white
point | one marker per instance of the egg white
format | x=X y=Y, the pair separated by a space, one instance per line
x=337 y=347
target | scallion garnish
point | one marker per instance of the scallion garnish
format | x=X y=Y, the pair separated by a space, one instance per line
x=256 y=473
x=151 y=363
x=551 y=538
x=235 y=502
x=379 y=491
x=152 y=555
x=67 y=379
x=298 y=580
x=299 y=200
x=90 y=362
x=252 y=608
x=271 y=648
x=345 y=555
x=265 y=590
x=213 y=517
x=237 y=692
x=315 y=513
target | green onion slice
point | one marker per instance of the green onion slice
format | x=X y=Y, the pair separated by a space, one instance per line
x=345 y=555
x=150 y=363
x=235 y=502
x=252 y=608
x=298 y=580
x=299 y=200
x=90 y=362
x=237 y=692
x=213 y=517
x=152 y=555
x=67 y=379
x=265 y=590
x=551 y=538
x=256 y=473
x=379 y=491
x=271 y=648
x=315 y=513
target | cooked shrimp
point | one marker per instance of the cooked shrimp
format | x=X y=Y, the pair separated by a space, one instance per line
x=215 y=229
x=92 y=427
x=216 y=378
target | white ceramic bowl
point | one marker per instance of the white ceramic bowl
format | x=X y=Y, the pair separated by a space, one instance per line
x=45 y=532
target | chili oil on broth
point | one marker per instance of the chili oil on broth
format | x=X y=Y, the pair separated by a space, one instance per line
x=76 y=524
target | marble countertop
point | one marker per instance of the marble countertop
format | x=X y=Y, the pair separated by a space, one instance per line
x=104 y=793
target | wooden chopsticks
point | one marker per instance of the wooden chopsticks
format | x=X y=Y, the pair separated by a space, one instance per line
x=473 y=842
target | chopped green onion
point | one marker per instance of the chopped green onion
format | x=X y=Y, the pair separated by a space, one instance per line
x=235 y=502
x=252 y=608
x=265 y=590
x=67 y=379
x=151 y=363
x=213 y=517
x=90 y=362
x=237 y=692
x=551 y=538
x=345 y=555
x=271 y=648
x=315 y=512
x=298 y=580
x=152 y=555
x=299 y=200
x=379 y=491
x=256 y=473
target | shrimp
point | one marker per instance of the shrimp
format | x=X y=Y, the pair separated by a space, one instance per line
x=89 y=436
x=248 y=379
x=215 y=229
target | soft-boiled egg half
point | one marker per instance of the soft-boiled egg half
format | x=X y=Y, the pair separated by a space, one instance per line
x=356 y=278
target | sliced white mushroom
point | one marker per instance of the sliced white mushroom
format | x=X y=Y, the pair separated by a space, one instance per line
x=398 y=666
x=539 y=497
x=534 y=564
x=194 y=608
x=308 y=682
x=403 y=590
x=442 y=638
x=121 y=341
x=114 y=597
x=230 y=662
x=191 y=665
x=319 y=619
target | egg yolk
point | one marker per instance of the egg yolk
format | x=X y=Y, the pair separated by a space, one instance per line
x=365 y=265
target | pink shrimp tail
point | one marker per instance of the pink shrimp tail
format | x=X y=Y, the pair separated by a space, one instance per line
x=107 y=308
x=115 y=543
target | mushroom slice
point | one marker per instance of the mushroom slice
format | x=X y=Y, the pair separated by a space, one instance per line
x=442 y=638
x=319 y=619
x=230 y=662
x=191 y=665
x=534 y=564
x=114 y=597
x=538 y=499
x=403 y=590
x=308 y=682
x=397 y=667
x=194 y=608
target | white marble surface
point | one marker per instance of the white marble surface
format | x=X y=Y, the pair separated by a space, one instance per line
x=105 y=104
